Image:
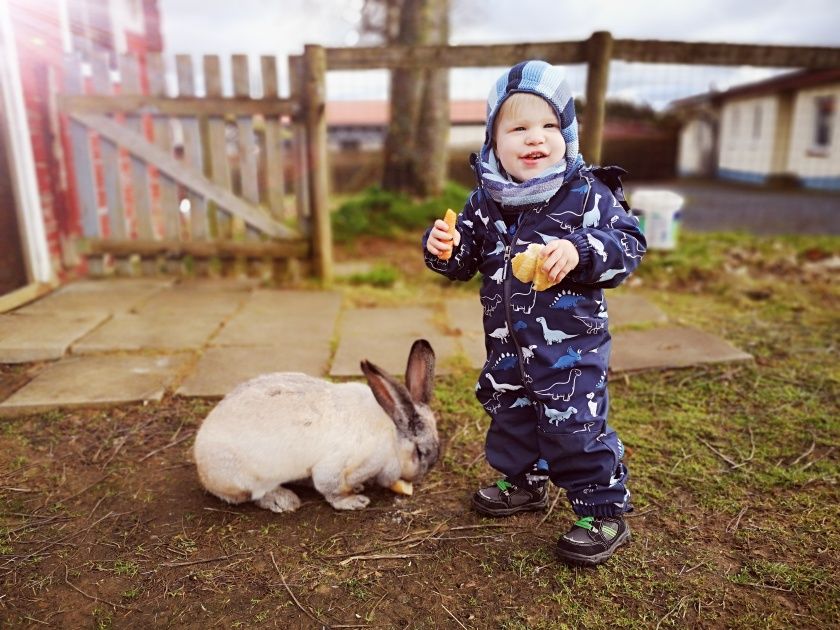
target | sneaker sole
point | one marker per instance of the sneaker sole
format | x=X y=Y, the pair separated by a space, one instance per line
x=530 y=507
x=598 y=558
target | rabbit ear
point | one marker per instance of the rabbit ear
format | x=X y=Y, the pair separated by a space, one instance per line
x=390 y=394
x=420 y=371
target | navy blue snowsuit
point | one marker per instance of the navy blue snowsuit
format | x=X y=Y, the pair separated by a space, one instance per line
x=544 y=383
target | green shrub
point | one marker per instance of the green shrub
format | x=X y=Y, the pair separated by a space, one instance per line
x=377 y=212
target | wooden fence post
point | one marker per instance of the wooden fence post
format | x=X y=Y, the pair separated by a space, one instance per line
x=315 y=122
x=599 y=51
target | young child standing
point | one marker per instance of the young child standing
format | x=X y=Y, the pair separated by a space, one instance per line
x=544 y=383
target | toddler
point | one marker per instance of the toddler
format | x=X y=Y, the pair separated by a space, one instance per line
x=544 y=383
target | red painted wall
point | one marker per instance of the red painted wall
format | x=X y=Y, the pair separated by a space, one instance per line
x=37 y=27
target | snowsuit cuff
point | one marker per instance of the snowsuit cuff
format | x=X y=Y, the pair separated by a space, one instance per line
x=584 y=255
x=432 y=261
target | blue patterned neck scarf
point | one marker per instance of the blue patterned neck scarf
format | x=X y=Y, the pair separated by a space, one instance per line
x=548 y=82
x=533 y=192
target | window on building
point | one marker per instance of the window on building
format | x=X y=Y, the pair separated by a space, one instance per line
x=823 y=121
x=756 y=130
x=350 y=144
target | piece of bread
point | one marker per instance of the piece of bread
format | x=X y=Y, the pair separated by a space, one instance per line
x=527 y=267
x=524 y=264
x=450 y=218
x=541 y=279
x=402 y=487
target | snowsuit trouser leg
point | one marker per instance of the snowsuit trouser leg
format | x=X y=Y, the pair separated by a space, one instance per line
x=583 y=452
x=584 y=458
x=511 y=446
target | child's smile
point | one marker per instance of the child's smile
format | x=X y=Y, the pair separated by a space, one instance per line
x=533 y=158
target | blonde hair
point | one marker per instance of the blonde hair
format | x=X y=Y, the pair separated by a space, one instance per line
x=516 y=105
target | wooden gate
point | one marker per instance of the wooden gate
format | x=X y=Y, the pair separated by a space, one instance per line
x=199 y=182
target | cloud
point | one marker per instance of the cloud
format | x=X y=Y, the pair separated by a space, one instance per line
x=282 y=28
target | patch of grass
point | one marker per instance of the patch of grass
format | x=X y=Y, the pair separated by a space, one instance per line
x=376 y=212
x=126 y=567
x=132 y=593
x=714 y=257
x=357 y=587
x=781 y=575
x=382 y=275
x=102 y=619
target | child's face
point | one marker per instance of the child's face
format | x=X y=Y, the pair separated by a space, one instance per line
x=527 y=137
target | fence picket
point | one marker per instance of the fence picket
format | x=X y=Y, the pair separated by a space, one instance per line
x=247 y=150
x=216 y=145
x=130 y=84
x=300 y=177
x=274 y=150
x=107 y=161
x=192 y=151
x=161 y=126
x=82 y=161
x=245 y=135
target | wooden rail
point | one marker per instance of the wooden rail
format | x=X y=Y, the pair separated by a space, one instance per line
x=596 y=52
x=178 y=106
x=643 y=50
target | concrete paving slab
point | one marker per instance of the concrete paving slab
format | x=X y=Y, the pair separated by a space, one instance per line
x=96 y=381
x=214 y=299
x=155 y=330
x=221 y=369
x=287 y=319
x=119 y=295
x=670 y=347
x=384 y=336
x=627 y=310
x=43 y=336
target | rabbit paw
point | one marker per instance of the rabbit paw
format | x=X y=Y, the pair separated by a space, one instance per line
x=279 y=500
x=349 y=502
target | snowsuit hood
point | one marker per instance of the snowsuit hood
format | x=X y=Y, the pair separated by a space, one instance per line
x=548 y=82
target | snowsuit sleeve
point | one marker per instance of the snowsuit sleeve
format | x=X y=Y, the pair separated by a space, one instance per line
x=610 y=243
x=466 y=257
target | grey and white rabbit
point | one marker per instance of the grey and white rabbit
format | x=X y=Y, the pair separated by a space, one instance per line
x=285 y=427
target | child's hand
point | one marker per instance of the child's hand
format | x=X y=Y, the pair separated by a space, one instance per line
x=440 y=240
x=559 y=257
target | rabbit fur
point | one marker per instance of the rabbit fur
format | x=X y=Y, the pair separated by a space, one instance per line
x=283 y=427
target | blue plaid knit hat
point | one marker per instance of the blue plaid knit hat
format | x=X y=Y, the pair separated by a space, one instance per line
x=549 y=82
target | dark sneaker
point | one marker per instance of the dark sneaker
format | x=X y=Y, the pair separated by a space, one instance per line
x=505 y=498
x=592 y=540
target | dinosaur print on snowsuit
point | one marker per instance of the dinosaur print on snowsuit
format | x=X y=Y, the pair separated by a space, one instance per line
x=544 y=383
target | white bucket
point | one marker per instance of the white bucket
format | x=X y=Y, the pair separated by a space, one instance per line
x=659 y=216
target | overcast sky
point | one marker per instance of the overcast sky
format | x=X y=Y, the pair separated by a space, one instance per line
x=282 y=27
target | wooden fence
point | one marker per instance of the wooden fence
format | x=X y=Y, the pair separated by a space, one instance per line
x=213 y=179
x=596 y=52
x=144 y=195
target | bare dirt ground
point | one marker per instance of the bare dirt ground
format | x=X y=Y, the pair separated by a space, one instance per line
x=103 y=522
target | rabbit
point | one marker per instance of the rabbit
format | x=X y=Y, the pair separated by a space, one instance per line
x=283 y=427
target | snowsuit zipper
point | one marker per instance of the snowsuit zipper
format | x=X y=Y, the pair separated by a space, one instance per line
x=508 y=310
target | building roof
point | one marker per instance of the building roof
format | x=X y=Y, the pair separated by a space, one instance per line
x=377 y=113
x=790 y=81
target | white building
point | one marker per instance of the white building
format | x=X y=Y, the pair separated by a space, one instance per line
x=783 y=129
